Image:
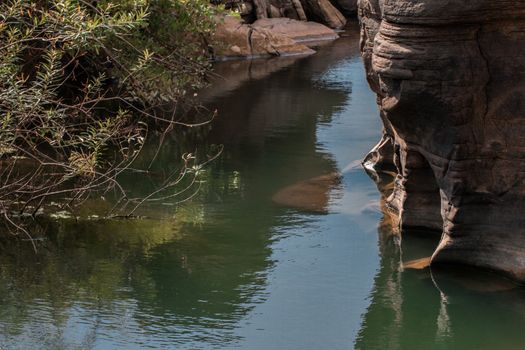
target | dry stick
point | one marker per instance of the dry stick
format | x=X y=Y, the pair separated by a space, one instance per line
x=20 y=228
x=154 y=117
x=167 y=184
x=147 y=198
x=162 y=137
x=178 y=180
x=118 y=171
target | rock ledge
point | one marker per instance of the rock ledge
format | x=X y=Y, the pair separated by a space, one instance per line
x=266 y=37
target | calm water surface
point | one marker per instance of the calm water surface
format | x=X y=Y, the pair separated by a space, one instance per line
x=232 y=269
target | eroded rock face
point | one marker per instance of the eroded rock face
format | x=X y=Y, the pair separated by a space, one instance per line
x=449 y=76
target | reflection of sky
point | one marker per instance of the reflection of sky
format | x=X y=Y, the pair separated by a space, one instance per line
x=324 y=266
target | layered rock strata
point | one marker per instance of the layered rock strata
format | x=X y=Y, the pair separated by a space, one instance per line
x=449 y=76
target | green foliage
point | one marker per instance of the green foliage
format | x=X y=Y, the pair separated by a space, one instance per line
x=176 y=38
x=79 y=84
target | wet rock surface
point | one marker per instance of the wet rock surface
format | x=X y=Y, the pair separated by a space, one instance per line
x=450 y=83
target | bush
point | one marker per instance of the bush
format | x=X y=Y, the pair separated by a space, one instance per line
x=80 y=86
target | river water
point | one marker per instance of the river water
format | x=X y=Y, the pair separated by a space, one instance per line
x=251 y=261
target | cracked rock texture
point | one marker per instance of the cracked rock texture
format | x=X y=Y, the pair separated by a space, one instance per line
x=450 y=81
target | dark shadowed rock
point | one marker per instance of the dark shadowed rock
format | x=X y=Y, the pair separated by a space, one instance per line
x=279 y=8
x=450 y=80
x=347 y=7
x=323 y=11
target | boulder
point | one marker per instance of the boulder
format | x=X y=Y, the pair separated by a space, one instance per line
x=279 y=8
x=324 y=12
x=234 y=39
x=266 y=37
x=299 y=31
x=321 y=11
x=450 y=80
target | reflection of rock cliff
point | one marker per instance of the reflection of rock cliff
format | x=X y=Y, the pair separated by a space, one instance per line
x=449 y=78
x=439 y=310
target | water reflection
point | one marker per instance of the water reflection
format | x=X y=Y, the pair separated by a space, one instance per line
x=452 y=308
x=194 y=275
x=138 y=277
x=233 y=269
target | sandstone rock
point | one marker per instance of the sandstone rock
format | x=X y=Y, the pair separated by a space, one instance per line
x=299 y=10
x=323 y=11
x=275 y=12
x=297 y=30
x=327 y=12
x=261 y=8
x=279 y=8
x=450 y=80
x=233 y=39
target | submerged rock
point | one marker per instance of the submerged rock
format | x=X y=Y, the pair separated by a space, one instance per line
x=450 y=83
x=418 y=264
x=312 y=195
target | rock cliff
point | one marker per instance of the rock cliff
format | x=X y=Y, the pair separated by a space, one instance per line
x=450 y=81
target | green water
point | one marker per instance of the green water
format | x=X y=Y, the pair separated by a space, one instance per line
x=231 y=269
